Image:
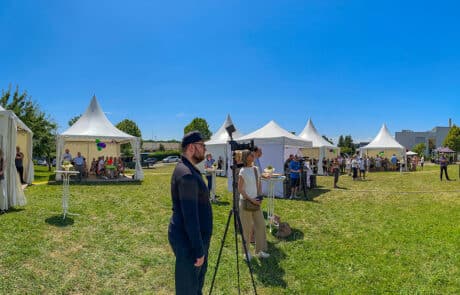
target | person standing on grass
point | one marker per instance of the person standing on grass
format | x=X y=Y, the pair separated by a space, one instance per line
x=190 y=227
x=354 y=167
x=362 y=168
x=422 y=161
x=294 y=167
x=443 y=164
x=208 y=164
x=336 y=172
x=18 y=161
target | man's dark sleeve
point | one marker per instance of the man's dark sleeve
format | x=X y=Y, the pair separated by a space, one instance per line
x=188 y=195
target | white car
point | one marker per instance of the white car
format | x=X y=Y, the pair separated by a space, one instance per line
x=171 y=159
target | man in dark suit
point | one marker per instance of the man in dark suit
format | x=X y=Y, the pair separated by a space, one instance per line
x=190 y=228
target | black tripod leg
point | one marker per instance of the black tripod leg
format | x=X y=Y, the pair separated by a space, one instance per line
x=246 y=250
x=220 y=250
x=235 y=222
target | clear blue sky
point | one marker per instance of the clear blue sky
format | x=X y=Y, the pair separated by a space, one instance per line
x=349 y=65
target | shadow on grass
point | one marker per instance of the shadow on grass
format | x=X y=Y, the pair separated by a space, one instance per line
x=314 y=193
x=14 y=210
x=268 y=271
x=58 y=221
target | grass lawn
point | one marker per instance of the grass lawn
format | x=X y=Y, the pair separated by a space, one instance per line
x=393 y=233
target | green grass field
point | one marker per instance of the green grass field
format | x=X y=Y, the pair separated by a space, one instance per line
x=393 y=233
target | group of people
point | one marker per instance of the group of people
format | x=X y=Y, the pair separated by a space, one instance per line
x=190 y=227
x=108 y=167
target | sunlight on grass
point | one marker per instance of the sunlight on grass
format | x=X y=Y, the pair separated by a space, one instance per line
x=391 y=233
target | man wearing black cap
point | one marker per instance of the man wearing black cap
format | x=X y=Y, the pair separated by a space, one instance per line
x=190 y=227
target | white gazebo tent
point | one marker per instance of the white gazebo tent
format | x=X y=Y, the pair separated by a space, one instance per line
x=321 y=147
x=218 y=146
x=13 y=132
x=93 y=125
x=276 y=144
x=384 y=144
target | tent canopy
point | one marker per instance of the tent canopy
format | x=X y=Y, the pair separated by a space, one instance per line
x=383 y=140
x=92 y=125
x=221 y=136
x=273 y=133
x=310 y=133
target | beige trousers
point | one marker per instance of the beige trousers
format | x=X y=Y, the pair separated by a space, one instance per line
x=256 y=218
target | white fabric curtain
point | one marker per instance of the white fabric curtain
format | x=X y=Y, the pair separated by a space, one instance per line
x=14 y=190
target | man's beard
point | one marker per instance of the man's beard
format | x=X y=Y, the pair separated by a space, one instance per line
x=198 y=157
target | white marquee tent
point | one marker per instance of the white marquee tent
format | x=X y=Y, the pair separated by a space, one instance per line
x=218 y=146
x=93 y=125
x=13 y=132
x=384 y=143
x=321 y=147
x=276 y=144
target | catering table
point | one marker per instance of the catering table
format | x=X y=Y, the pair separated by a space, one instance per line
x=271 y=180
x=65 y=190
x=213 y=173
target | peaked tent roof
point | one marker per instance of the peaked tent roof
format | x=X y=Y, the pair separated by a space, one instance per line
x=383 y=140
x=273 y=131
x=93 y=123
x=221 y=136
x=310 y=133
x=19 y=122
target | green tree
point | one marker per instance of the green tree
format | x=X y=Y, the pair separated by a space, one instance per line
x=130 y=127
x=74 y=119
x=161 y=148
x=419 y=148
x=452 y=139
x=43 y=127
x=341 y=141
x=431 y=145
x=201 y=125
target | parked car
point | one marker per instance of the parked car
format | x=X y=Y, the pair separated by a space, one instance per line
x=171 y=159
x=42 y=162
x=150 y=161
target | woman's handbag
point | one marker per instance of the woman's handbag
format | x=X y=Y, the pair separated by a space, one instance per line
x=248 y=205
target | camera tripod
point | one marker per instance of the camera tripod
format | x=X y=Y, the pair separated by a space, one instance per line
x=238 y=228
x=303 y=181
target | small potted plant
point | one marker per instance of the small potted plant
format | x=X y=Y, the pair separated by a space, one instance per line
x=66 y=165
x=269 y=169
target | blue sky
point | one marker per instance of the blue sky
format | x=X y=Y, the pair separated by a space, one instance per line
x=349 y=65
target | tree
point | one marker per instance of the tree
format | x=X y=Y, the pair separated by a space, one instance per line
x=161 y=148
x=43 y=127
x=74 y=119
x=130 y=127
x=341 y=141
x=419 y=148
x=431 y=145
x=452 y=139
x=201 y=125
